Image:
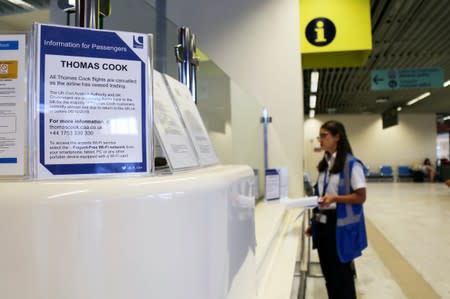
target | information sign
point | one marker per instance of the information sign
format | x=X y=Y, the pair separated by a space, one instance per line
x=272 y=184
x=92 y=101
x=193 y=121
x=407 y=78
x=169 y=127
x=13 y=90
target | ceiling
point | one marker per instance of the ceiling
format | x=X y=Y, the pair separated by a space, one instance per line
x=12 y=7
x=405 y=34
x=19 y=18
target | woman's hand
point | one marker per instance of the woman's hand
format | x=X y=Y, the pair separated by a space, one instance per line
x=357 y=197
x=326 y=200
x=308 y=231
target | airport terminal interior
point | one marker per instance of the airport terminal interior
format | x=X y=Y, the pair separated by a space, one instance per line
x=212 y=216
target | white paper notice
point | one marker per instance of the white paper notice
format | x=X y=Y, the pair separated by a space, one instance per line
x=92 y=102
x=174 y=138
x=302 y=202
x=193 y=122
x=86 y=113
x=13 y=89
x=284 y=181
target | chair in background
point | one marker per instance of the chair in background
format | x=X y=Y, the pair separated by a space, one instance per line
x=445 y=172
x=372 y=176
x=386 y=173
x=404 y=174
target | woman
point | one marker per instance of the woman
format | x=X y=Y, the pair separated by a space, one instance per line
x=428 y=169
x=337 y=227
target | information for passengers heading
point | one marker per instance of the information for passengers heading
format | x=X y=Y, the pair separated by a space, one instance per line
x=13 y=90
x=92 y=105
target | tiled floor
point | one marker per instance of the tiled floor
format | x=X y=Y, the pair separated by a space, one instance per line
x=409 y=243
x=374 y=280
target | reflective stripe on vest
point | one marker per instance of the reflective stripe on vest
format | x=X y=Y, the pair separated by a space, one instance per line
x=350 y=217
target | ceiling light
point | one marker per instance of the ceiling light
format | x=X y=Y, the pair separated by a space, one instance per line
x=419 y=98
x=314 y=81
x=446 y=83
x=381 y=100
x=312 y=113
x=312 y=101
x=22 y=4
x=399 y=108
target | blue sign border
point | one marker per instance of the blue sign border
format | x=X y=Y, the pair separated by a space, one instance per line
x=107 y=38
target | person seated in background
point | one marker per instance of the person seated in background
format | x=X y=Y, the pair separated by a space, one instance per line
x=428 y=169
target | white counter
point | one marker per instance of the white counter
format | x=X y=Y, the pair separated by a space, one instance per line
x=187 y=235
x=278 y=235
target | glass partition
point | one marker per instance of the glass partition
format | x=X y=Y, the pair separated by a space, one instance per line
x=232 y=118
x=231 y=115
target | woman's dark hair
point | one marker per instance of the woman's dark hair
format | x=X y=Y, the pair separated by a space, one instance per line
x=343 y=147
x=426 y=161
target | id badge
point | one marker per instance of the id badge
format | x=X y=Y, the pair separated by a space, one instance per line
x=323 y=218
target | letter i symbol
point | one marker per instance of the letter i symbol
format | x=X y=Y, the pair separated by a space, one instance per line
x=320 y=32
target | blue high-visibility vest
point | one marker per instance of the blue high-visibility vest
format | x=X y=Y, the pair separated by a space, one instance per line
x=351 y=237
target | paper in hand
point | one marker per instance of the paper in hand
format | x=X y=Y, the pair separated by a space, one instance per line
x=301 y=202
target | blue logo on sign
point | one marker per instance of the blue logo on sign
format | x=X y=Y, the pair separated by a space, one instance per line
x=138 y=41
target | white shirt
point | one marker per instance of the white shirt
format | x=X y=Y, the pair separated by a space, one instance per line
x=358 y=180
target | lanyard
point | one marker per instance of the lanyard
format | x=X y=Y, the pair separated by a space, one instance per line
x=325 y=183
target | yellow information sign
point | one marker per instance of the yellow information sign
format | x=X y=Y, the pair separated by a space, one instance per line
x=335 y=33
x=8 y=69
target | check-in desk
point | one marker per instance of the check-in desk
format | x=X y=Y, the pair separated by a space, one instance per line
x=185 y=235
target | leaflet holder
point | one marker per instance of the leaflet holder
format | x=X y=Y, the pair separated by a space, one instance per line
x=88 y=13
x=109 y=130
